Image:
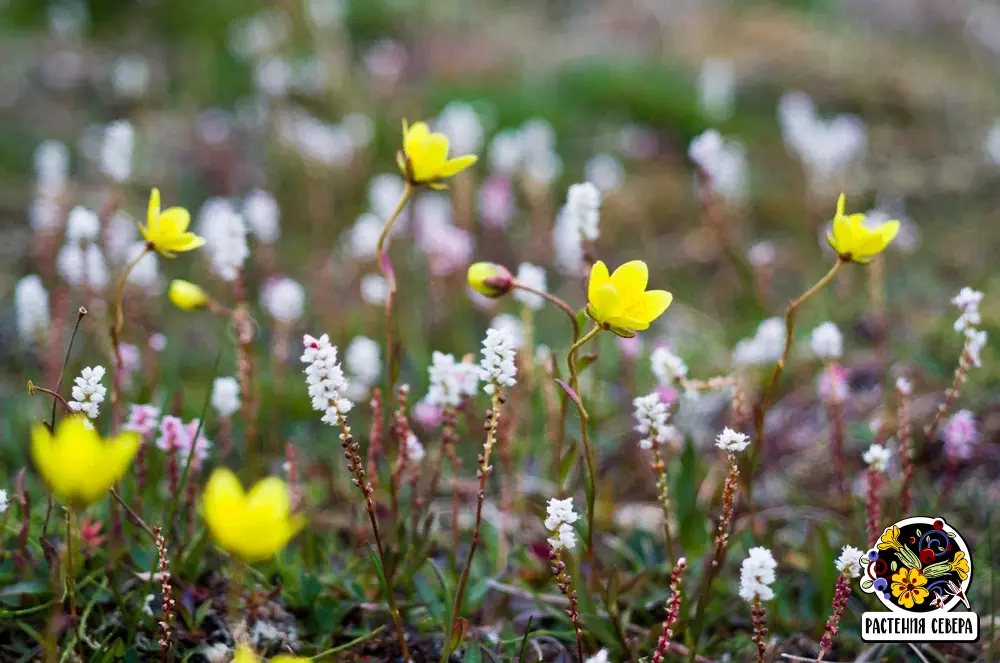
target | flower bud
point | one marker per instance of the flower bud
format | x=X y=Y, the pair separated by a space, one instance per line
x=186 y=295
x=490 y=279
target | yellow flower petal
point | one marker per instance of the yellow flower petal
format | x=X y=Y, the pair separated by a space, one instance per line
x=245 y=655
x=414 y=137
x=598 y=277
x=458 y=164
x=153 y=212
x=434 y=152
x=607 y=303
x=630 y=279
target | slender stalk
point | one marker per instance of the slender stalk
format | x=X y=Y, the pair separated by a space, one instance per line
x=961 y=373
x=485 y=469
x=81 y=312
x=32 y=388
x=354 y=465
x=759 y=618
x=780 y=364
x=673 y=610
x=905 y=447
x=70 y=574
x=659 y=468
x=841 y=593
x=385 y=266
x=136 y=518
x=565 y=584
x=120 y=296
x=574 y=383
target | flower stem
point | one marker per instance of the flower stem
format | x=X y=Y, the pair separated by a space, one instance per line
x=673 y=610
x=574 y=383
x=116 y=332
x=485 y=469
x=385 y=266
x=780 y=364
x=905 y=448
x=759 y=618
x=961 y=373
x=70 y=574
x=565 y=583
x=841 y=593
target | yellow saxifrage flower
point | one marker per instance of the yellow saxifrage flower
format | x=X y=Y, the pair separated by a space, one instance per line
x=620 y=301
x=245 y=654
x=251 y=525
x=855 y=241
x=77 y=465
x=186 y=295
x=166 y=231
x=424 y=159
x=908 y=587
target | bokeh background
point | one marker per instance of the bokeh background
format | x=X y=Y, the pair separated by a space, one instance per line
x=291 y=110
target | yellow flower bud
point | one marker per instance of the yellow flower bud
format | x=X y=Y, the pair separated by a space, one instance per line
x=186 y=295
x=490 y=279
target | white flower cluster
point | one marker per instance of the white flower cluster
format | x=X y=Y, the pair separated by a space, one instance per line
x=725 y=163
x=826 y=148
x=116 y=150
x=652 y=414
x=450 y=380
x=904 y=386
x=732 y=441
x=764 y=348
x=849 y=561
x=31 y=301
x=374 y=289
x=567 y=244
x=583 y=205
x=757 y=575
x=262 y=215
x=877 y=457
x=325 y=379
x=363 y=359
x=283 y=298
x=497 y=366
x=225 y=234
x=361 y=240
x=88 y=392
x=226 y=396
x=51 y=175
x=82 y=266
x=533 y=277
x=82 y=225
x=559 y=523
x=528 y=150
x=3 y=502
x=599 y=657
x=967 y=301
x=667 y=367
x=826 y=341
x=460 y=122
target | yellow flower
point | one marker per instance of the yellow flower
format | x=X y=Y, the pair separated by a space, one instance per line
x=960 y=565
x=620 y=302
x=245 y=654
x=186 y=295
x=77 y=465
x=251 y=525
x=424 y=159
x=490 y=279
x=166 y=231
x=908 y=587
x=855 y=241
x=889 y=539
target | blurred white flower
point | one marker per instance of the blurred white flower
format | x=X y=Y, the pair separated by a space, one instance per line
x=652 y=415
x=533 y=277
x=80 y=266
x=826 y=148
x=45 y=215
x=605 y=171
x=363 y=360
x=116 y=150
x=146 y=273
x=599 y=657
x=725 y=163
x=273 y=76
x=496 y=202
x=262 y=215
x=877 y=457
x=414 y=450
x=992 y=144
x=975 y=341
x=226 y=396
x=143 y=419
x=130 y=76
x=567 y=244
x=583 y=206
x=732 y=441
x=765 y=347
x=506 y=152
x=849 y=561
x=960 y=434
x=762 y=254
x=225 y=234
x=31 y=301
x=51 y=169
x=119 y=236
x=510 y=325
x=82 y=225
x=283 y=299
x=450 y=380
x=384 y=192
x=826 y=341
x=667 y=367
x=460 y=122
x=717 y=88
x=361 y=241
x=326 y=13
x=374 y=289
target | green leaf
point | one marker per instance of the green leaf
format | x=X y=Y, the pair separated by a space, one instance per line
x=566 y=464
x=458 y=634
x=201 y=612
x=893 y=566
x=472 y=654
x=867 y=584
x=585 y=361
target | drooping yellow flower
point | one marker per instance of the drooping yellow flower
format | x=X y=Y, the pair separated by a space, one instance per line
x=853 y=240
x=76 y=463
x=908 y=587
x=166 y=231
x=889 y=539
x=960 y=565
x=424 y=158
x=186 y=295
x=245 y=654
x=620 y=301
x=490 y=279
x=251 y=525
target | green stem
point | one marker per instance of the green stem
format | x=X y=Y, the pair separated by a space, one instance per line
x=120 y=295
x=385 y=267
x=574 y=383
x=70 y=574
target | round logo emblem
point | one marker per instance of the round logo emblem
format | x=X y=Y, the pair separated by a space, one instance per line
x=918 y=565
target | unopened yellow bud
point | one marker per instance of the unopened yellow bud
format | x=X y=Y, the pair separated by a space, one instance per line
x=186 y=295
x=490 y=279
